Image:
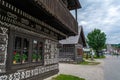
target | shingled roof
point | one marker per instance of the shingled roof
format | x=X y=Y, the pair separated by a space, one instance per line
x=75 y=39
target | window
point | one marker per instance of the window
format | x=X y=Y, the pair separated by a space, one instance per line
x=27 y=50
x=21 y=50
x=37 y=51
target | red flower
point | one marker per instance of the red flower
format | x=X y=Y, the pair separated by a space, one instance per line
x=14 y=52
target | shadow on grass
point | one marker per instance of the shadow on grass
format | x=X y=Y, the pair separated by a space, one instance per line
x=66 y=77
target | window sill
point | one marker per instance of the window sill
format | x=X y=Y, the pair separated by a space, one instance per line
x=25 y=65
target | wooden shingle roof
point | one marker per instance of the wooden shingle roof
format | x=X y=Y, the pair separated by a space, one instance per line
x=75 y=39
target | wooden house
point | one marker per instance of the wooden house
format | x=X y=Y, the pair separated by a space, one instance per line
x=29 y=34
x=72 y=47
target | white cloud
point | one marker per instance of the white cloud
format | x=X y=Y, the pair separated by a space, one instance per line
x=83 y=23
x=101 y=14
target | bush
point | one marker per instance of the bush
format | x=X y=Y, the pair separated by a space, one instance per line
x=101 y=57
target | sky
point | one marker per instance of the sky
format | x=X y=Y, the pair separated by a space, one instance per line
x=103 y=15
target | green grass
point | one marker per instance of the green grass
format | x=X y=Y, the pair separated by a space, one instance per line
x=89 y=63
x=95 y=57
x=66 y=77
x=101 y=57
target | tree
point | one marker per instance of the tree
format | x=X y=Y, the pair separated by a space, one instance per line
x=96 y=40
x=116 y=45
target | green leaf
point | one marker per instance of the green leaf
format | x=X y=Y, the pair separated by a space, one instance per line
x=96 y=39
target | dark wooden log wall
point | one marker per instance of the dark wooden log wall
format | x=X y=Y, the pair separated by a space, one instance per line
x=61 y=12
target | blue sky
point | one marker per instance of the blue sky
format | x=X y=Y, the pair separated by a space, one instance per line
x=101 y=14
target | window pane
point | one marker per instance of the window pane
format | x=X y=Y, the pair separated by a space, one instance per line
x=35 y=51
x=24 y=56
x=25 y=50
x=40 y=47
x=35 y=45
x=18 y=43
x=26 y=44
x=17 y=50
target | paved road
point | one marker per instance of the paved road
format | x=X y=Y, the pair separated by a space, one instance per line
x=112 y=68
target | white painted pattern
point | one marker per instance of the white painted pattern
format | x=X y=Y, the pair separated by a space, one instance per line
x=3 y=47
x=29 y=73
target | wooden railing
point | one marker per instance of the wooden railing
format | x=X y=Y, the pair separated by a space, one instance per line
x=60 y=11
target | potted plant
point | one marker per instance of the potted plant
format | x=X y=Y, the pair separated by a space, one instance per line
x=16 y=57
x=34 y=57
x=24 y=57
x=39 y=57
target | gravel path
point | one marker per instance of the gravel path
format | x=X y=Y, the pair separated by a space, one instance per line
x=93 y=72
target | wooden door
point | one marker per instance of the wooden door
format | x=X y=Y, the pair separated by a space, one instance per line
x=80 y=52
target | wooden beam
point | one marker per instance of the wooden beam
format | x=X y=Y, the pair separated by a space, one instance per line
x=76 y=14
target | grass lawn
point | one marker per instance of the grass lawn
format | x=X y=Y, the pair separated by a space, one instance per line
x=89 y=63
x=66 y=77
x=101 y=57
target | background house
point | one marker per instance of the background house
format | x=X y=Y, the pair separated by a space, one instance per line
x=113 y=48
x=72 y=47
